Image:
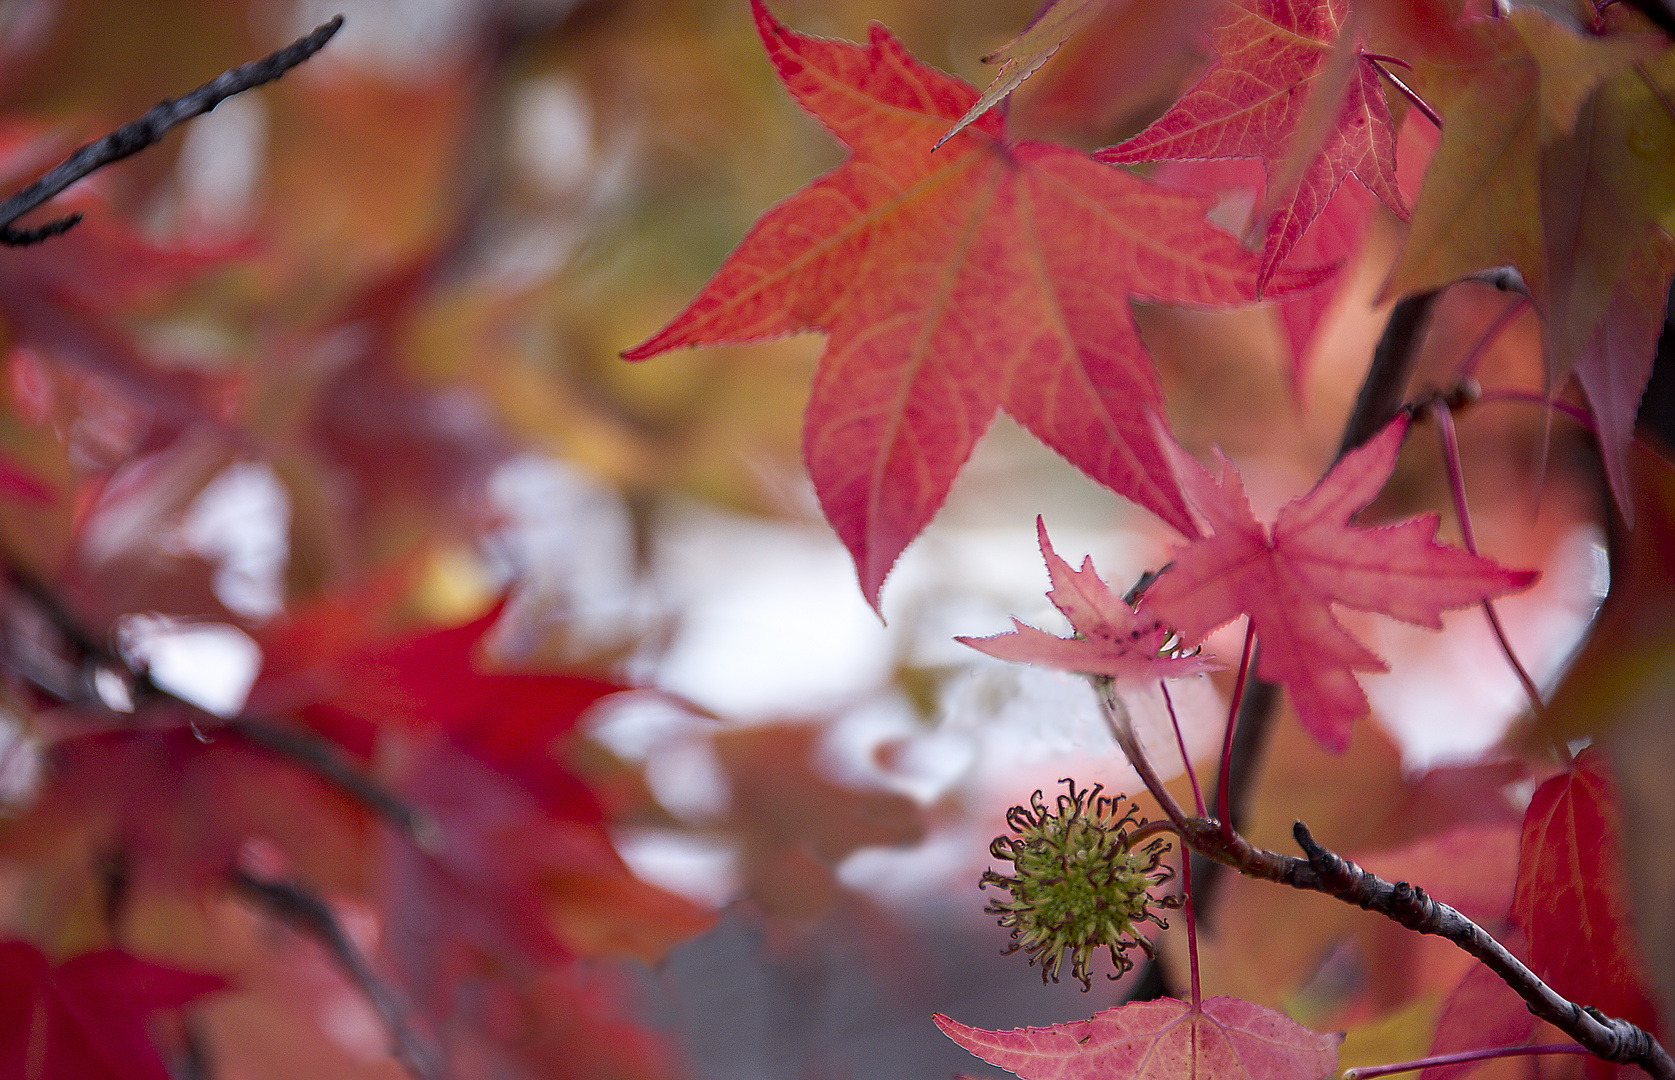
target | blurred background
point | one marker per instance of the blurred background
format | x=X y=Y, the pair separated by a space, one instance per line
x=356 y=334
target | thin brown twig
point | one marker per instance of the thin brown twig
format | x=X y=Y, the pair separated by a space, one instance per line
x=136 y=135
x=1425 y=107
x=298 y=907
x=1444 y=417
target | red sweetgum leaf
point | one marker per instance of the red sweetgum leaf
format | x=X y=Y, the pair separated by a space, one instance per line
x=1253 y=98
x=1111 y=638
x=181 y=809
x=86 y=1019
x=1571 y=898
x=1225 y=1039
x=1288 y=576
x=509 y=720
x=991 y=274
x=65 y=298
x=499 y=882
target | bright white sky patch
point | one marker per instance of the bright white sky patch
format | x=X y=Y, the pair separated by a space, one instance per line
x=211 y=665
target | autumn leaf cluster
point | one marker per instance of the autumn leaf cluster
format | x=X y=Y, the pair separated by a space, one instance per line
x=401 y=844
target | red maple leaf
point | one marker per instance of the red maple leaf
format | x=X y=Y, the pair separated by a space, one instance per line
x=1287 y=576
x=1570 y=897
x=1111 y=639
x=1223 y=1039
x=1272 y=54
x=86 y=1019
x=499 y=880
x=992 y=274
x=433 y=679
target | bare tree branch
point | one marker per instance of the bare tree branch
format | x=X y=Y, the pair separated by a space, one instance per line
x=295 y=905
x=1325 y=872
x=136 y=135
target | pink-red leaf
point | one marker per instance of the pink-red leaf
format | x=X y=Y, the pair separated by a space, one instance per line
x=991 y=274
x=433 y=679
x=86 y=1019
x=1288 y=576
x=1112 y=639
x=1250 y=103
x=1225 y=1039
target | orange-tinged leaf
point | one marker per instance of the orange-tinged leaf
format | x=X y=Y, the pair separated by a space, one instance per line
x=1288 y=576
x=992 y=274
x=1517 y=89
x=1271 y=53
x=1552 y=160
x=1573 y=64
x=1224 y=1039
x=1602 y=189
x=1111 y=638
x=1570 y=898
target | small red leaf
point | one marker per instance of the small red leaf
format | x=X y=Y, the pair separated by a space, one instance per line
x=1482 y=1011
x=1112 y=640
x=1288 y=576
x=1225 y=1039
x=1570 y=898
x=436 y=679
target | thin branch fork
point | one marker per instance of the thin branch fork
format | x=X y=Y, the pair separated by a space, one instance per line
x=293 y=904
x=136 y=135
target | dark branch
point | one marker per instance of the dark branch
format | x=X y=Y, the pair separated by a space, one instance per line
x=1324 y=872
x=1393 y=360
x=294 y=905
x=324 y=760
x=135 y=136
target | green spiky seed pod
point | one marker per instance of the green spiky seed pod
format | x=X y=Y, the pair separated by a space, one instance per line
x=1076 y=887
